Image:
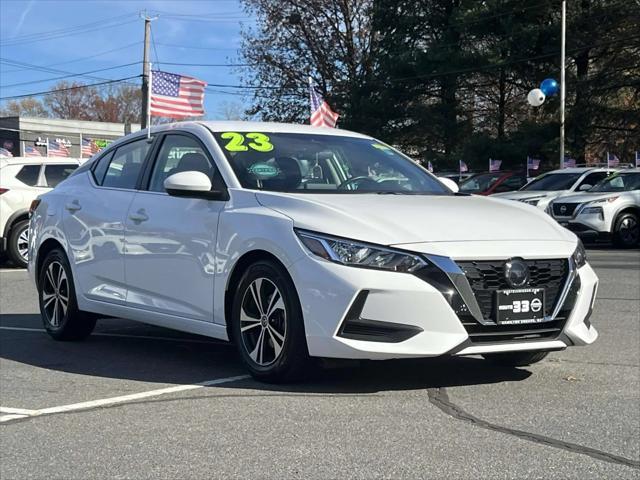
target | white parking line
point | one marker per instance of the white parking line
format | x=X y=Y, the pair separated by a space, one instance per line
x=10 y=270
x=114 y=400
x=123 y=335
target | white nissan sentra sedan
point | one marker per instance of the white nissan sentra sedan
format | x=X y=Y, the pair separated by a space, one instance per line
x=297 y=242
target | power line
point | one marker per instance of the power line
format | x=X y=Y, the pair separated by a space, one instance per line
x=155 y=49
x=88 y=57
x=191 y=47
x=69 y=76
x=211 y=64
x=48 y=92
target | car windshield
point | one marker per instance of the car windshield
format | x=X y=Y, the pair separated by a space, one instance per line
x=553 y=181
x=619 y=182
x=480 y=183
x=307 y=163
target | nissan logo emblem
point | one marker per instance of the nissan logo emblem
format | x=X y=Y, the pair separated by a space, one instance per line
x=516 y=273
x=563 y=209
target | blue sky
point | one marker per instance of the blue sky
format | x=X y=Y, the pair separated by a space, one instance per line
x=201 y=32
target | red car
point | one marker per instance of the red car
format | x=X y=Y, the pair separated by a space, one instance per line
x=493 y=182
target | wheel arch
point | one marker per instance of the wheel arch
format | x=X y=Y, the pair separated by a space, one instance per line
x=48 y=245
x=17 y=216
x=628 y=209
x=237 y=271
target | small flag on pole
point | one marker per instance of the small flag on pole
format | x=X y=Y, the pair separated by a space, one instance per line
x=57 y=149
x=463 y=166
x=31 y=152
x=612 y=160
x=89 y=147
x=494 y=165
x=176 y=96
x=5 y=153
x=533 y=163
x=321 y=113
x=569 y=162
x=430 y=166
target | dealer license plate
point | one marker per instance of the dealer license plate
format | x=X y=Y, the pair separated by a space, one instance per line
x=524 y=305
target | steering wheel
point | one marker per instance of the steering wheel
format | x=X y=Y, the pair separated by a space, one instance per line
x=362 y=179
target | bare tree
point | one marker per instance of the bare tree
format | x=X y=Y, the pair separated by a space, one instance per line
x=25 y=107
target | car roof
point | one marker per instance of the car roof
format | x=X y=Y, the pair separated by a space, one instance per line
x=270 y=127
x=4 y=161
x=582 y=170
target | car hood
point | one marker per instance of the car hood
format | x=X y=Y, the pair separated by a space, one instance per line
x=396 y=219
x=524 y=194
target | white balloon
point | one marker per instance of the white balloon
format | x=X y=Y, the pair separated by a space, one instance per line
x=536 y=97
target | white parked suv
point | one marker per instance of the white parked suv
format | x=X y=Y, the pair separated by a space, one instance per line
x=608 y=211
x=544 y=188
x=22 y=179
x=297 y=242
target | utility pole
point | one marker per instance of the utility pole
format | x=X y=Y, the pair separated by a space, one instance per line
x=145 y=73
x=562 y=78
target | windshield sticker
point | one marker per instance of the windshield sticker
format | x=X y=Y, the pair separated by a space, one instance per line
x=263 y=170
x=258 y=142
x=379 y=146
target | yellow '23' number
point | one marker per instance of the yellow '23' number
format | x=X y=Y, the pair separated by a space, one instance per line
x=260 y=142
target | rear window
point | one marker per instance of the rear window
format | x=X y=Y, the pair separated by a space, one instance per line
x=54 y=174
x=28 y=175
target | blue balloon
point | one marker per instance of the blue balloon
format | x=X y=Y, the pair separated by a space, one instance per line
x=549 y=87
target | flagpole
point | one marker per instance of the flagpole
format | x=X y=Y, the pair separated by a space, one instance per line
x=148 y=112
x=47 y=147
x=80 y=145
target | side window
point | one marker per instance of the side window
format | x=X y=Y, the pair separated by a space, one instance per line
x=592 y=179
x=28 y=175
x=179 y=153
x=101 y=168
x=510 y=184
x=54 y=174
x=126 y=164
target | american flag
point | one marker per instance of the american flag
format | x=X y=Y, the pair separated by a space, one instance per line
x=321 y=113
x=57 y=149
x=430 y=166
x=31 y=152
x=533 y=163
x=569 y=162
x=5 y=153
x=612 y=160
x=463 y=166
x=176 y=96
x=494 y=165
x=89 y=147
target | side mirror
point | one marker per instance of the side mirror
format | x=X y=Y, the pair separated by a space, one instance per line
x=584 y=186
x=450 y=184
x=192 y=184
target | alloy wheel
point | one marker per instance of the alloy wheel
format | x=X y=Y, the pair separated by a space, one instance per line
x=263 y=321
x=55 y=294
x=22 y=243
x=629 y=231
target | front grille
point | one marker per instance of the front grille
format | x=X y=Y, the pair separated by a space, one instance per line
x=564 y=209
x=485 y=277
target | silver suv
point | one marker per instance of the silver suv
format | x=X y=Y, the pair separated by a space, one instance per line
x=608 y=211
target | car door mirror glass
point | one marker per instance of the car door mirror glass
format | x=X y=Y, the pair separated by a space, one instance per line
x=585 y=186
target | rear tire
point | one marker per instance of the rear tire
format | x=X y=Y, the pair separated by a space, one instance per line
x=626 y=233
x=267 y=324
x=515 y=359
x=19 y=243
x=57 y=299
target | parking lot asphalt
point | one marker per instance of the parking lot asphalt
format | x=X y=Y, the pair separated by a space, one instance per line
x=136 y=401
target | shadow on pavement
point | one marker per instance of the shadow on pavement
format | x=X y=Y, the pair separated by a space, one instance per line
x=181 y=360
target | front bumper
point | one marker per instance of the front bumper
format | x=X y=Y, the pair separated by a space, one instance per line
x=328 y=292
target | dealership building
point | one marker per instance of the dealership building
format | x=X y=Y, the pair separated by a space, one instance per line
x=30 y=136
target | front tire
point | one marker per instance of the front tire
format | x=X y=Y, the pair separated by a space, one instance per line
x=57 y=298
x=19 y=243
x=626 y=233
x=267 y=324
x=515 y=359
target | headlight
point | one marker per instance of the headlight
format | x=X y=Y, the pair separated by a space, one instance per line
x=604 y=200
x=580 y=255
x=533 y=202
x=356 y=254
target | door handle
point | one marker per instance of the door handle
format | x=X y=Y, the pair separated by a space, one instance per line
x=73 y=206
x=139 y=216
